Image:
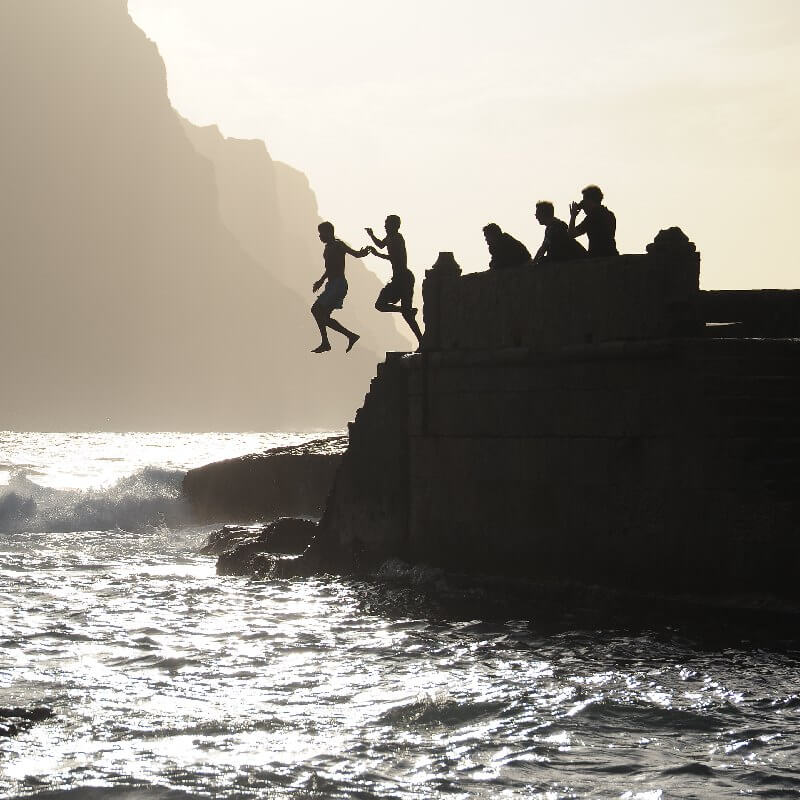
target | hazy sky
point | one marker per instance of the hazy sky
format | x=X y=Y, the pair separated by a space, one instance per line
x=454 y=114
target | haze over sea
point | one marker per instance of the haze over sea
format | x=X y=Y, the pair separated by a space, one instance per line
x=168 y=681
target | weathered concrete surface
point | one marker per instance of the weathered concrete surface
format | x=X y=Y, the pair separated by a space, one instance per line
x=653 y=464
x=287 y=481
x=671 y=466
x=368 y=506
x=632 y=297
x=755 y=313
x=633 y=466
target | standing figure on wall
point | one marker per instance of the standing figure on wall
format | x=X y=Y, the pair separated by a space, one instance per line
x=398 y=295
x=599 y=224
x=335 y=290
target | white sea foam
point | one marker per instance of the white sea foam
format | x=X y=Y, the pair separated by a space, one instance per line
x=149 y=497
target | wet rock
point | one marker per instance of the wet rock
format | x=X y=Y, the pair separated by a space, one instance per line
x=256 y=550
x=228 y=537
x=288 y=481
x=290 y=535
x=15 y=720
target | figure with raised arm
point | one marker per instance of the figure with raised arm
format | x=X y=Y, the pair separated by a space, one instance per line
x=558 y=244
x=335 y=290
x=506 y=252
x=398 y=295
x=599 y=224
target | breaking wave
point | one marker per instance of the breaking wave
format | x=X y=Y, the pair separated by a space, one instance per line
x=150 y=497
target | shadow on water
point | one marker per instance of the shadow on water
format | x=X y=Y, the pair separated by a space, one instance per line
x=399 y=590
x=115 y=793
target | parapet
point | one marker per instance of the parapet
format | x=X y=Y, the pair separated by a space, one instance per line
x=551 y=306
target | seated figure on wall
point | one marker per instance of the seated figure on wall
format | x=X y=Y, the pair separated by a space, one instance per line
x=558 y=243
x=505 y=250
x=599 y=224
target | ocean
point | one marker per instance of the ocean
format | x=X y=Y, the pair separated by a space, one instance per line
x=167 y=681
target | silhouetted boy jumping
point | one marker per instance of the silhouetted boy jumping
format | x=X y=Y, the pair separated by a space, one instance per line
x=400 y=288
x=336 y=289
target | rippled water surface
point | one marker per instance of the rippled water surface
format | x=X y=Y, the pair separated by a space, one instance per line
x=168 y=681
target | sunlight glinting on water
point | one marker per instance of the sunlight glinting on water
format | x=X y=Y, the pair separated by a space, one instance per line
x=98 y=460
x=166 y=678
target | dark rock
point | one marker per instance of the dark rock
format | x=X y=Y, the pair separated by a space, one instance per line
x=229 y=537
x=15 y=720
x=289 y=535
x=290 y=481
x=256 y=550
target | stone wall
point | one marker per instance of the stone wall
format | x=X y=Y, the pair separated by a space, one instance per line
x=366 y=517
x=646 y=465
x=603 y=449
x=556 y=305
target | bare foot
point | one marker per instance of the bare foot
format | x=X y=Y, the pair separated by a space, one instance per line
x=323 y=348
x=351 y=340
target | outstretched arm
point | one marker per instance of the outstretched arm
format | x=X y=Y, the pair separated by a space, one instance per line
x=378 y=242
x=356 y=253
x=380 y=255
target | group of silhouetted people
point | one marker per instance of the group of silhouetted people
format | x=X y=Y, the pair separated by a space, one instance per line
x=560 y=243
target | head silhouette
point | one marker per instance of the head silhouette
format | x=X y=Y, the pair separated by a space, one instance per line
x=392 y=223
x=325 y=232
x=492 y=232
x=592 y=196
x=544 y=212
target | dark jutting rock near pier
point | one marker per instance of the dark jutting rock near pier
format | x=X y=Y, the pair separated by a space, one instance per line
x=287 y=481
x=601 y=421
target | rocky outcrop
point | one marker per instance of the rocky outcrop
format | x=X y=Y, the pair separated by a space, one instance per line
x=261 y=551
x=16 y=720
x=286 y=481
x=127 y=301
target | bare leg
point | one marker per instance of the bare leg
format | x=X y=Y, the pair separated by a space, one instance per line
x=352 y=338
x=410 y=316
x=321 y=317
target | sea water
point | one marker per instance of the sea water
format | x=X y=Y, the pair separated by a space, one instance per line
x=168 y=681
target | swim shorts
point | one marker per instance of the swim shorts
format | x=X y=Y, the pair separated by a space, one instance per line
x=400 y=289
x=333 y=294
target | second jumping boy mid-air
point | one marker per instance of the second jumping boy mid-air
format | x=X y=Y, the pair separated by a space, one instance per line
x=400 y=288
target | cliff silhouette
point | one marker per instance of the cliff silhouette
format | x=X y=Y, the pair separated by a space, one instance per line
x=144 y=285
x=271 y=209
